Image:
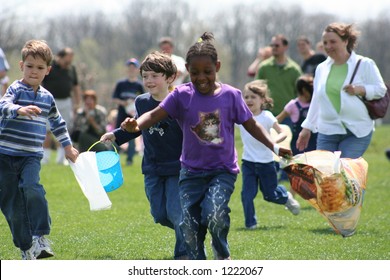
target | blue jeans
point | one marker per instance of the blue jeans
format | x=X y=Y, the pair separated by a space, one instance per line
x=204 y=198
x=23 y=199
x=130 y=150
x=163 y=195
x=263 y=176
x=349 y=145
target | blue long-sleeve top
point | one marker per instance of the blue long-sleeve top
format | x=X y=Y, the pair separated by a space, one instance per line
x=22 y=136
x=162 y=141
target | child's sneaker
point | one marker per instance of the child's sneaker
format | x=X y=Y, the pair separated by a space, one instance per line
x=30 y=254
x=252 y=227
x=44 y=250
x=292 y=205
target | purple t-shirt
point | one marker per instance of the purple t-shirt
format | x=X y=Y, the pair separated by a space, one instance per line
x=207 y=123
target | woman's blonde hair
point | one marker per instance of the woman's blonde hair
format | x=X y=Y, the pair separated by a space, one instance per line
x=347 y=32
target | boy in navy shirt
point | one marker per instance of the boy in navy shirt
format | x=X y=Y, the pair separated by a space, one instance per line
x=163 y=143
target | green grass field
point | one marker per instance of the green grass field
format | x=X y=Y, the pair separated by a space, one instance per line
x=127 y=231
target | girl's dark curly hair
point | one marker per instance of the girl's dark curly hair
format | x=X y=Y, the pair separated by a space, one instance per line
x=203 y=47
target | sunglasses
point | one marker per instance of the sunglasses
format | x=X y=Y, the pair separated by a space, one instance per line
x=274 y=45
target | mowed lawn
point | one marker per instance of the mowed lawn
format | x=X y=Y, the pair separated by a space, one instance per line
x=127 y=230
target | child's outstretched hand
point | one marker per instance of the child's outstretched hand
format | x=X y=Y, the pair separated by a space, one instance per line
x=30 y=111
x=108 y=137
x=285 y=153
x=71 y=153
x=130 y=125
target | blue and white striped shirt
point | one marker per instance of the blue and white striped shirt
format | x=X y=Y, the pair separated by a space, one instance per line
x=21 y=136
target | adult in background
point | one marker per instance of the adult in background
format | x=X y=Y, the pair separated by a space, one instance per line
x=167 y=46
x=90 y=123
x=310 y=58
x=63 y=83
x=281 y=74
x=262 y=54
x=125 y=92
x=4 y=67
x=336 y=112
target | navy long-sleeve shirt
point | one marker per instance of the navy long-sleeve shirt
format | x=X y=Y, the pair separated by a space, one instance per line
x=162 y=141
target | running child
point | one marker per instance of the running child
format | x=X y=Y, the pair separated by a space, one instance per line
x=206 y=111
x=163 y=143
x=258 y=165
x=24 y=110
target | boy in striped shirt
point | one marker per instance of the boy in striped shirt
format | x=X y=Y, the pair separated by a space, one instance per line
x=24 y=110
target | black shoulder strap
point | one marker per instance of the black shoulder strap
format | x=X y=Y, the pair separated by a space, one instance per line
x=355 y=70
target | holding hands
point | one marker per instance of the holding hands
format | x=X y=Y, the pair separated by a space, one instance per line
x=130 y=125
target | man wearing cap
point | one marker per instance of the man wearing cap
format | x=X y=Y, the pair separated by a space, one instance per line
x=125 y=92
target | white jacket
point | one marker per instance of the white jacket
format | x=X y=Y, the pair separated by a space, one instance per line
x=322 y=116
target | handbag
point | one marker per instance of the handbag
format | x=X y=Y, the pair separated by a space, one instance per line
x=377 y=108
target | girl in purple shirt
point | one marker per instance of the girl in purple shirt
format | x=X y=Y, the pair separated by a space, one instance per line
x=206 y=111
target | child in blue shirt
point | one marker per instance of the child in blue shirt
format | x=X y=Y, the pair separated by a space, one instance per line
x=163 y=142
x=206 y=111
x=24 y=110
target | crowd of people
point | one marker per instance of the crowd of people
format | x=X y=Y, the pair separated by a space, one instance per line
x=186 y=119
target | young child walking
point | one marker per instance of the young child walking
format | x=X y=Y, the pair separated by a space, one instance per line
x=258 y=165
x=297 y=110
x=24 y=110
x=163 y=143
x=207 y=112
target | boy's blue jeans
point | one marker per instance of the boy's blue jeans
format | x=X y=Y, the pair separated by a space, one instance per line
x=22 y=198
x=259 y=175
x=163 y=195
x=204 y=198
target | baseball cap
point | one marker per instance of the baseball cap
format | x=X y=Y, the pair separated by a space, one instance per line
x=132 y=61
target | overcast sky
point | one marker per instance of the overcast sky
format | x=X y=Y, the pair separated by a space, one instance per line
x=346 y=9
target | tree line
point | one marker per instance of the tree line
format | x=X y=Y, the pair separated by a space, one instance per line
x=103 y=42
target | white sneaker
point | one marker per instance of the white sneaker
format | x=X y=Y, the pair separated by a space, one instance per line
x=252 y=227
x=44 y=250
x=30 y=254
x=292 y=205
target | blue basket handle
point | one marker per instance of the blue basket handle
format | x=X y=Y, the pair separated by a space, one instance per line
x=97 y=142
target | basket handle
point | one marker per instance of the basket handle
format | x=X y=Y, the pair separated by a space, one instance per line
x=97 y=142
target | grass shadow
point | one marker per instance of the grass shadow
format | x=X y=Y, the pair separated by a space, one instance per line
x=261 y=228
x=324 y=231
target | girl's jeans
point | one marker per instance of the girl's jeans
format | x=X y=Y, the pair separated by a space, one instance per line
x=163 y=195
x=259 y=175
x=204 y=198
x=22 y=198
